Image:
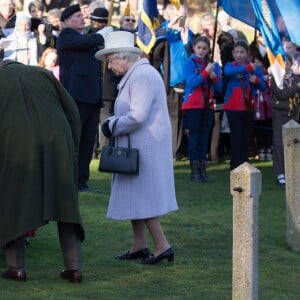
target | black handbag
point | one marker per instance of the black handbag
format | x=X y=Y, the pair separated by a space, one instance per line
x=122 y=160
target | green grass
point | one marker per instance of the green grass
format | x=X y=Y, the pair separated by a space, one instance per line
x=200 y=232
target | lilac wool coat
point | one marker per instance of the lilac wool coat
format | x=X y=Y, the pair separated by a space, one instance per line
x=141 y=107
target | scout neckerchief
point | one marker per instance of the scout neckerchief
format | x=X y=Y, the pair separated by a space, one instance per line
x=205 y=87
x=247 y=100
x=294 y=101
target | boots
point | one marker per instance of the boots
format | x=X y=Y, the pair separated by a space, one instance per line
x=202 y=170
x=195 y=174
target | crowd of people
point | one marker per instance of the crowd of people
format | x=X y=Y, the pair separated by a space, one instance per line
x=226 y=113
x=173 y=102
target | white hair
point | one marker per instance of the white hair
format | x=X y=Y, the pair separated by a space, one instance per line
x=127 y=54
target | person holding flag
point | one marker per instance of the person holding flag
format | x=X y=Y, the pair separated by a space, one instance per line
x=243 y=80
x=202 y=79
x=275 y=19
x=168 y=57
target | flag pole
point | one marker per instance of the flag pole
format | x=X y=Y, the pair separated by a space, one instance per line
x=215 y=34
x=254 y=42
x=110 y=11
x=207 y=94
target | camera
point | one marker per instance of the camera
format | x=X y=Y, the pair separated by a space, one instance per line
x=181 y=21
x=48 y=27
x=35 y=22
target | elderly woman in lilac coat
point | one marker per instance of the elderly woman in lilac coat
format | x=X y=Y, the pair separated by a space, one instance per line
x=141 y=110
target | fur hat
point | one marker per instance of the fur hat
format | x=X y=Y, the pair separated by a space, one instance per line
x=69 y=11
x=100 y=14
x=118 y=41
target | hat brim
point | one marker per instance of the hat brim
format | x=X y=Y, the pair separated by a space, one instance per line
x=101 y=54
x=98 y=19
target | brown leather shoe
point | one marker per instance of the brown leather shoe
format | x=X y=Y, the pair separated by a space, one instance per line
x=71 y=275
x=18 y=274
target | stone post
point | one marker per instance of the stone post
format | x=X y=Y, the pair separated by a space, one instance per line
x=245 y=187
x=291 y=142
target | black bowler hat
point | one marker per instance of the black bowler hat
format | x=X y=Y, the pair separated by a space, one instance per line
x=100 y=14
x=69 y=11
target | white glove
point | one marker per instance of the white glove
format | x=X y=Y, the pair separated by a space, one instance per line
x=105 y=31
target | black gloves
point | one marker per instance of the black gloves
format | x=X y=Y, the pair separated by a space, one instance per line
x=105 y=129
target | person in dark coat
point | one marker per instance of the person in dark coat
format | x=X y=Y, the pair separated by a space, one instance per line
x=285 y=107
x=81 y=75
x=38 y=168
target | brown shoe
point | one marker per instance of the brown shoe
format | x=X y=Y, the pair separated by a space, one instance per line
x=71 y=275
x=18 y=274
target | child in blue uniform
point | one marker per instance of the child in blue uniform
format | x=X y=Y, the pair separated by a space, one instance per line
x=243 y=79
x=202 y=78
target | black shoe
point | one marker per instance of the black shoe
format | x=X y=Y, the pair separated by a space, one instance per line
x=138 y=254
x=151 y=259
x=83 y=187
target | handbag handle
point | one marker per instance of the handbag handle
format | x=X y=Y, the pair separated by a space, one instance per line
x=116 y=138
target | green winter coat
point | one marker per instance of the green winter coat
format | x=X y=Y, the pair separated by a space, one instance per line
x=39 y=135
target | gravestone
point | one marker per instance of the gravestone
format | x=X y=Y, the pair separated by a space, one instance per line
x=245 y=186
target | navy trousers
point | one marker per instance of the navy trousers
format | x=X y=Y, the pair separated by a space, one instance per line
x=199 y=124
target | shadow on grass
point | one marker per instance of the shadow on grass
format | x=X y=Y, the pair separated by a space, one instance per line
x=200 y=232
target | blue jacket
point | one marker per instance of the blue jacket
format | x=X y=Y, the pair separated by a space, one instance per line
x=196 y=81
x=178 y=52
x=80 y=71
x=235 y=92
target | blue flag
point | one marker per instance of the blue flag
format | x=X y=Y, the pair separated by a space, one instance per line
x=286 y=14
x=266 y=21
x=275 y=19
x=147 y=23
x=241 y=10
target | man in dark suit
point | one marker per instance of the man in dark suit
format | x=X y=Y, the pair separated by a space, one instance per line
x=81 y=75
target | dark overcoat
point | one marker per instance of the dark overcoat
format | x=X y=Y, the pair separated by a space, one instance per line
x=39 y=133
x=80 y=72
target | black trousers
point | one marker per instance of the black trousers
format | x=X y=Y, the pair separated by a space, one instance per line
x=241 y=125
x=70 y=245
x=279 y=118
x=106 y=111
x=89 y=115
